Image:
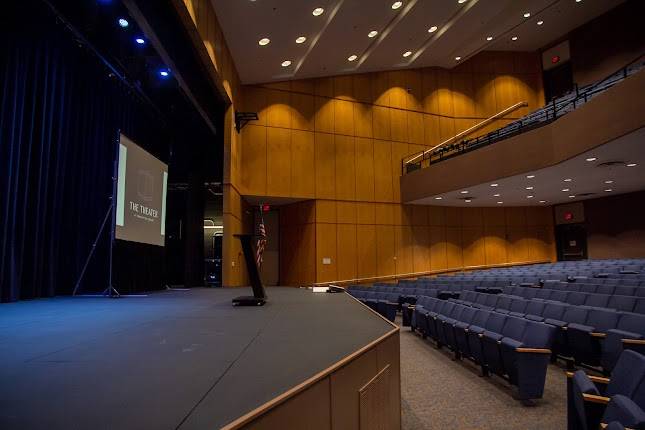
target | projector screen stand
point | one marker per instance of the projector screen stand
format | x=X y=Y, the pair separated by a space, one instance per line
x=259 y=296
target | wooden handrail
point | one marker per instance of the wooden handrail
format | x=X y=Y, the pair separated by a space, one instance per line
x=471 y=129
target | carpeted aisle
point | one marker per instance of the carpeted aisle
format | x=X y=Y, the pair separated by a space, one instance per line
x=438 y=393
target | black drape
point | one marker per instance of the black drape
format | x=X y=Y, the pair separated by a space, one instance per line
x=60 y=112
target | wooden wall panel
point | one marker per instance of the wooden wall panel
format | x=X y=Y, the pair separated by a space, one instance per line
x=345 y=168
x=438 y=248
x=254 y=159
x=383 y=190
x=366 y=261
x=303 y=162
x=385 y=250
x=421 y=248
x=495 y=243
x=404 y=245
x=473 y=246
x=303 y=111
x=325 y=165
x=326 y=248
x=343 y=117
x=517 y=247
x=278 y=162
x=347 y=251
x=364 y=149
x=454 y=248
x=279 y=109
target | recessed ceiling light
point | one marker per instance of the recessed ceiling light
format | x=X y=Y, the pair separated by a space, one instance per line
x=464 y=192
x=352 y=57
x=494 y=185
x=140 y=40
x=495 y=195
x=632 y=165
x=530 y=176
x=407 y=53
x=457 y=58
x=438 y=198
x=286 y=63
x=514 y=38
x=527 y=14
x=123 y=23
x=565 y=190
x=432 y=29
x=542 y=201
x=591 y=159
x=578 y=1
x=499 y=203
x=609 y=182
x=608 y=190
x=540 y=22
x=264 y=41
x=529 y=188
x=372 y=33
x=529 y=197
x=489 y=38
x=301 y=39
x=468 y=200
x=318 y=11
x=572 y=197
x=397 y=4
x=568 y=180
x=461 y=1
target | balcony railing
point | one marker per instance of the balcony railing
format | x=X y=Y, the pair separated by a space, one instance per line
x=543 y=116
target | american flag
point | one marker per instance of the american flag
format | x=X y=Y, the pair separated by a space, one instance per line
x=262 y=240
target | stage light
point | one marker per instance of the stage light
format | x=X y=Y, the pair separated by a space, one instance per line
x=123 y=23
x=140 y=40
x=318 y=11
x=352 y=57
x=432 y=29
x=286 y=63
x=407 y=53
x=372 y=33
x=164 y=73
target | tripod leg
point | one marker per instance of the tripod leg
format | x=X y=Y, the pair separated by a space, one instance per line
x=89 y=257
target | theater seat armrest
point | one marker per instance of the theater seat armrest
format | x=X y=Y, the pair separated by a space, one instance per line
x=634 y=341
x=534 y=350
x=599 y=335
x=595 y=399
x=596 y=379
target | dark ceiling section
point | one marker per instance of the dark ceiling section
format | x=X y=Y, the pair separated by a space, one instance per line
x=194 y=113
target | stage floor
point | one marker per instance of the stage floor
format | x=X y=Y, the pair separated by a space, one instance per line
x=172 y=360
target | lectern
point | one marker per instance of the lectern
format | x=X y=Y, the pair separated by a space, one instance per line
x=259 y=296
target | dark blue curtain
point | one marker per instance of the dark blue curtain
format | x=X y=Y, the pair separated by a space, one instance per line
x=60 y=113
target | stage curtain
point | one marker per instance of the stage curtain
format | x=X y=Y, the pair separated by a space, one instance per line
x=60 y=113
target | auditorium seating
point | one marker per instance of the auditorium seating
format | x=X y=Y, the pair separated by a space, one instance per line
x=509 y=346
x=592 y=399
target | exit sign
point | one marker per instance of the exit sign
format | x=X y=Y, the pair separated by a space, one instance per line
x=568 y=216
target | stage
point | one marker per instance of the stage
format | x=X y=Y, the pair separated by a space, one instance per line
x=172 y=360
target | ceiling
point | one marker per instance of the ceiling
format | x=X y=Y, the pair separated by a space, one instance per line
x=587 y=179
x=342 y=30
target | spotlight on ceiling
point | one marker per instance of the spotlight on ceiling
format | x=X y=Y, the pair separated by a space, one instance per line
x=264 y=41
x=590 y=159
x=457 y=58
x=464 y=192
x=529 y=188
x=494 y=185
x=609 y=182
x=529 y=197
x=432 y=29
x=318 y=11
x=123 y=23
x=397 y=4
x=567 y=180
x=527 y=14
x=140 y=41
x=301 y=39
x=407 y=53
x=286 y=63
x=489 y=38
x=530 y=176
x=352 y=58
x=438 y=198
x=540 y=22
x=500 y=203
x=608 y=190
x=631 y=164
x=372 y=33
x=468 y=200
x=164 y=73
x=496 y=195
x=461 y=1
x=542 y=201
x=514 y=38
x=564 y=190
x=572 y=197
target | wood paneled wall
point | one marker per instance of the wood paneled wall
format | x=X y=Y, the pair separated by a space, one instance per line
x=343 y=137
x=200 y=19
x=367 y=240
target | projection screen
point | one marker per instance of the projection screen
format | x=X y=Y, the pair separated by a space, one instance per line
x=141 y=195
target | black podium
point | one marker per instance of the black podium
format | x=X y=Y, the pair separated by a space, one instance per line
x=259 y=296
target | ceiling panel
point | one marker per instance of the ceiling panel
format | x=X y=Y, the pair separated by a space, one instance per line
x=342 y=31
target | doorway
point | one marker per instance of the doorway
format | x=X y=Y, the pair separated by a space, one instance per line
x=571 y=240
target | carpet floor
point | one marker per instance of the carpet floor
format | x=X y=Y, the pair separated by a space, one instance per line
x=439 y=393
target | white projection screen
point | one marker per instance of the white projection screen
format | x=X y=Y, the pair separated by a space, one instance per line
x=141 y=195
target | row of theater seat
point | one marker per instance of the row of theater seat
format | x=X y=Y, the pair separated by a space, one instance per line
x=588 y=335
x=622 y=290
x=622 y=303
x=619 y=399
x=506 y=345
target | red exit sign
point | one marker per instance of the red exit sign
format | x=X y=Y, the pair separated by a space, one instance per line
x=568 y=216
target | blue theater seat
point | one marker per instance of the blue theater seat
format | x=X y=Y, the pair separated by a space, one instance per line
x=630 y=328
x=494 y=324
x=584 y=340
x=621 y=303
x=588 y=396
x=624 y=411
